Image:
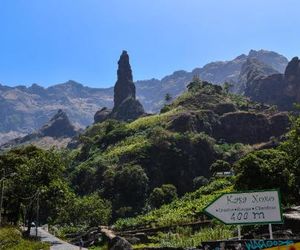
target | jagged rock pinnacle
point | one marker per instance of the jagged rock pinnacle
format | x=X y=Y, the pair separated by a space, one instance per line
x=124 y=87
x=58 y=126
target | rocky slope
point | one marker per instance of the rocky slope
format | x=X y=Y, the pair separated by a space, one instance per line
x=251 y=70
x=25 y=109
x=225 y=117
x=281 y=90
x=152 y=92
x=57 y=132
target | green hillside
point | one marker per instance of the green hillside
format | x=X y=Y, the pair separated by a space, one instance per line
x=159 y=170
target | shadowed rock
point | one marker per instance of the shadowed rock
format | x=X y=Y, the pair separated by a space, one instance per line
x=282 y=90
x=58 y=126
x=124 y=87
x=126 y=107
x=57 y=132
x=102 y=114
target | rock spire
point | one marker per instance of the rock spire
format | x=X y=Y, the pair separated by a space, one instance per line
x=124 y=87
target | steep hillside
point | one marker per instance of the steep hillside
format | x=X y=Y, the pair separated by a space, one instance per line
x=281 y=90
x=57 y=132
x=252 y=69
x=203 y=125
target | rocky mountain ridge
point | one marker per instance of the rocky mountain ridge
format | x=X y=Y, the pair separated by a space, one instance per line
x=25 y=109
x=281 y=90
x=57 y=132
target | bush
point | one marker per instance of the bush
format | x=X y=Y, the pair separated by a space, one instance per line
x=11 y=238
x=90 y=210
x=266 y=169
x=199 y=182
x=219 y=166
x=163 y=195
x=130 y=186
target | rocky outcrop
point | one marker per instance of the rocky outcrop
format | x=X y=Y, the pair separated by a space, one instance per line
x=102 y=114
x=124 y=88
x=58 y=126
x=282 y=90
x=194 y=121
x=269 y=58
x=126 y=107
x=247 y=127
x=57 y=132
x=251 y=70
x=233 y=127
x=119 y=243
x=128 y=110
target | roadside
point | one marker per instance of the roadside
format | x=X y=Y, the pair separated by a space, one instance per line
x=56 y=243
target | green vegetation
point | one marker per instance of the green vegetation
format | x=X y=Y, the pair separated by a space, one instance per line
x=11 y=239
x=187 y=209
x=157 y=171
x=185 y=237
x=274 y=168
x=162 y=195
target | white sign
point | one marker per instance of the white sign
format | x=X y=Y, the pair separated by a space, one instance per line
x=247 y=208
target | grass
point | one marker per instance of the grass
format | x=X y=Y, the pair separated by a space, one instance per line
x=185 y=237
x=131 y=145
x=104 y=247
x=11 y=238
x=151 y=121
x=184 y=210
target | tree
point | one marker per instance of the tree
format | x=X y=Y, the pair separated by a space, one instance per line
x=219 y=166
x=168 y=97
x=292 y=148
x=162 y=195
x=130 y=187
x=199 y=182
x=267 y=169
x=227 y=86
x=195 y=84
x=90 y=211
x=38 y=184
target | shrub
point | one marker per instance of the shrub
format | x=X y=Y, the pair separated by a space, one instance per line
x=266 y=169
x=90 y=210
x=219 y=166
x=130 y=186
x=199 y=182
x=163 y=195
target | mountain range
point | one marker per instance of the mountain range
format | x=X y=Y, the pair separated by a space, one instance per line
x=23 y=109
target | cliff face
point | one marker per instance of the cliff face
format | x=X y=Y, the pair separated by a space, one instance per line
x=251 y=70
x=58 y=126
x=282 y=90
x=57 y=132
x=126 y=107
x=207 y=108
x=124 y=87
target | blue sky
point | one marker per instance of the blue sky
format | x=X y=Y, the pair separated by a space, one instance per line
x=52 y=41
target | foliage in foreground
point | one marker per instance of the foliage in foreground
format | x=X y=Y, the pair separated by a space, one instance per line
x=11 y=239
x=184 y=210
x=274 y=168
x=185 y=237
